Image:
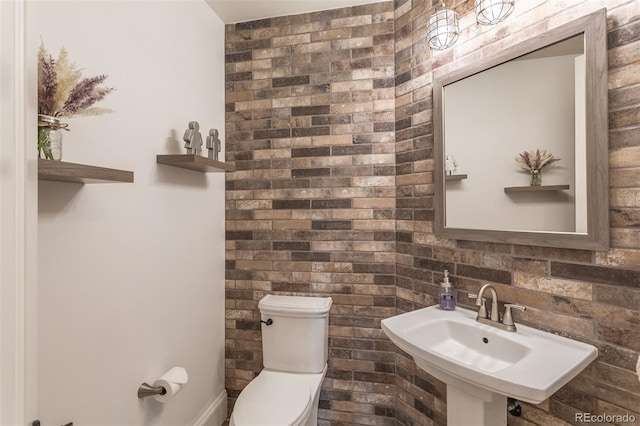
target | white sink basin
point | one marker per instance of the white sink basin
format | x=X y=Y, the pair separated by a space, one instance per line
x=468 y=344
x=529 y=365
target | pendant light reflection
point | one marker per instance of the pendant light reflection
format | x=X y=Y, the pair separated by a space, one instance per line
x=442 y=28
x=489 y=12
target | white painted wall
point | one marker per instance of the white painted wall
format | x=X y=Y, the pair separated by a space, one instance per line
x=18 y=218
x=542 y=92
x=131 y=276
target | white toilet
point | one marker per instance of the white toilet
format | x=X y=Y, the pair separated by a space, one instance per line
x=295 y=332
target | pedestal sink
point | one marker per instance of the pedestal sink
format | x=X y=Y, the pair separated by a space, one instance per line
x=482 y=365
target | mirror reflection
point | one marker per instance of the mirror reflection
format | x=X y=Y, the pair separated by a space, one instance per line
x=515 y=146
x=520 y=142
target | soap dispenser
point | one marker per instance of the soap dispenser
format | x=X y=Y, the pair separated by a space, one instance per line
x=447 y=296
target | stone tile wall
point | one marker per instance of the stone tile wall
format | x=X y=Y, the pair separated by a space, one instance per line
x=310 y=208
x=590 y=296
x=329 y=127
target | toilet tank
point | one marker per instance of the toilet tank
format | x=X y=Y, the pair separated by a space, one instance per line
x=298 y=338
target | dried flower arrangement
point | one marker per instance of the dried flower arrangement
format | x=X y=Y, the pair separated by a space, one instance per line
x=535 y=160
x=62 y=92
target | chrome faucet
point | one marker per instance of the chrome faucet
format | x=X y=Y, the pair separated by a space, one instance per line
x=507 y=322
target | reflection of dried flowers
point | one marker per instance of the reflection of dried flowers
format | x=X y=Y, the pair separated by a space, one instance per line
x=535 y=160
x=62 y=92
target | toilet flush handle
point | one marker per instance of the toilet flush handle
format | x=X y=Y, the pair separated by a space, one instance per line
x=267 y=322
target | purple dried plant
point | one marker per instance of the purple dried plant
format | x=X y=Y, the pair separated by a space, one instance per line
x=530 y=160
x=62 y=92
x=47 y=85
x=537 y=162
x=85 y=94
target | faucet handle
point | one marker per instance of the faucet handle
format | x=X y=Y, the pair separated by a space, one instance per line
x=475 y=296
x=508 y=317
x=514 y=306
x=482 y=310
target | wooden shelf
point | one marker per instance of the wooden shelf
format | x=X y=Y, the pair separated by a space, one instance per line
x=536 y=188
x=62 y=171
x=455 y=177
x=194 y=162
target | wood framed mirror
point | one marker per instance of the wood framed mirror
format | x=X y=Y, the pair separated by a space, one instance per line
x=548 y=93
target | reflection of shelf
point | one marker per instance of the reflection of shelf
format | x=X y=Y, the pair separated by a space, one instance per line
x=455 y=177
x=536 y=188
x=62 y=171
x=194 y=162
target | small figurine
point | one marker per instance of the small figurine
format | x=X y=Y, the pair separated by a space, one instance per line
x=213 y=144
x=450 y=165
x=193 y=138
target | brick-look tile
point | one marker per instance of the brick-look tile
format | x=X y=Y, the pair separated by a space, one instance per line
x=485 y=274
x=624 y=35
x=569 y=288
x=554 y=253
x=251 y=25
x=624 y=238
x=618 y=296
x=594 y=302
x=602 y=313
x=296 y=99
x=628 y=197
x=329 y=123
x=599 y=274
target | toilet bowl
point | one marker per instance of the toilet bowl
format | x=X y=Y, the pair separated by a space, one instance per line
x=274 y=398
x=294 y=346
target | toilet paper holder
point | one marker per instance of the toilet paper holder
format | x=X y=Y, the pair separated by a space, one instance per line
x=146 y=390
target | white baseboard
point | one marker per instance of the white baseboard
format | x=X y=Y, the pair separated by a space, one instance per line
x=216 y=413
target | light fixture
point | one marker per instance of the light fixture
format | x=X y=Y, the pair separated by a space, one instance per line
x=489 y=12
x=442 y=28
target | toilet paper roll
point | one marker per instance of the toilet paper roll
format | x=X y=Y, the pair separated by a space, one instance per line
x=173 y=381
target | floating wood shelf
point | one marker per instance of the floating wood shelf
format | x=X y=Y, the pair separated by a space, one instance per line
x=455 y=177
x=536 y=188
x=194 y=162
x=62 y=171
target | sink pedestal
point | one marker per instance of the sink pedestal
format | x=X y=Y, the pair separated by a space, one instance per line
x=468 y=404
x=482 y=365
x=465 y=409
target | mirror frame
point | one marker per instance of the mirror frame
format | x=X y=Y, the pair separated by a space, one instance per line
x=594 y=28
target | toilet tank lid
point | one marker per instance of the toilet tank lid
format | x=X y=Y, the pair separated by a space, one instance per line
x=295 y=305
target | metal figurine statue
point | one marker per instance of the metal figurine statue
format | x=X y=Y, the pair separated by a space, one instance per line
x=193 y=138
x=213 y=144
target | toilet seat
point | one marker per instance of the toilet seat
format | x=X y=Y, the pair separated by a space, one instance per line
x=274 y=399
